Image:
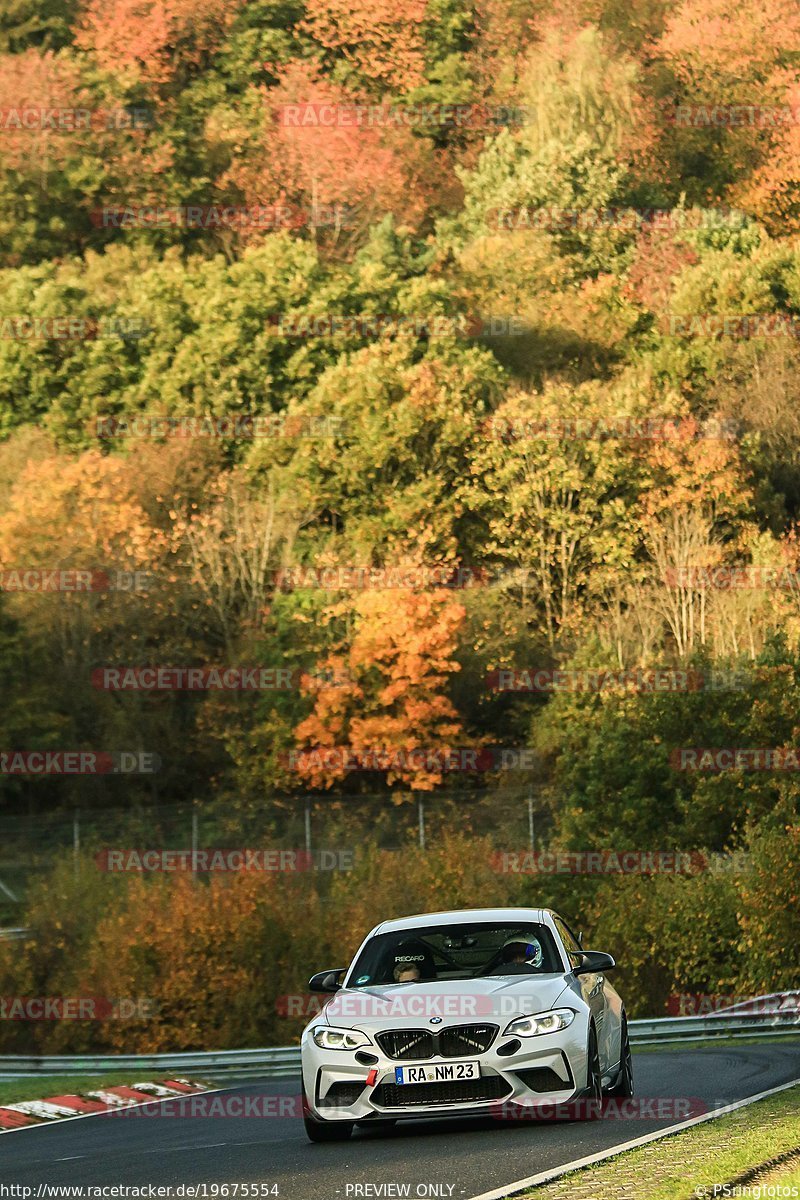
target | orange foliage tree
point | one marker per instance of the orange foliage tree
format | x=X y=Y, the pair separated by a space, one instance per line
x=384 y=691
x=773 y=191
x=152 y=40
x=79 y=514
x=365 y=170
x=39 y=82
x=210 y=950
x=713 y=42
x=109 y=160
x=382 y=43
x=724 y=55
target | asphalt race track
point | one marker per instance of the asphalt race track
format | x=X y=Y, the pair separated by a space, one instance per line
x=462 y=1158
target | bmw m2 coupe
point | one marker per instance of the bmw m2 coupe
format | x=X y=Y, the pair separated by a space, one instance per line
x=463 y=1013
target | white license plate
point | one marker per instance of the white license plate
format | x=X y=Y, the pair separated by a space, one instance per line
x=438 y=1072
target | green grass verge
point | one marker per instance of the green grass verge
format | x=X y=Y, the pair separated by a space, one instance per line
x=673 y=1167
x=789 y=1178
x=15 y=1091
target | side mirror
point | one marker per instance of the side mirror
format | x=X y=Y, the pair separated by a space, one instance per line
x=594 y=963
x=327 y=981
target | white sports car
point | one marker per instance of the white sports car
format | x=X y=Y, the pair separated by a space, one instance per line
x=494 y=1010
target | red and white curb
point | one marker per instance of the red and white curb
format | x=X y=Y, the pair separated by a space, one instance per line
x=57 y=1108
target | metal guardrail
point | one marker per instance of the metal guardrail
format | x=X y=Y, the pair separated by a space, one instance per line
x=277 y=1061
x=265 y=1063
x=662 y=1030
x=13 y=935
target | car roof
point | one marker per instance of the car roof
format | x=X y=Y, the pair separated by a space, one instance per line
x=463 y=916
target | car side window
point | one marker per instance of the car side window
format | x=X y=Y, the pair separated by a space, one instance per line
x=574 y=952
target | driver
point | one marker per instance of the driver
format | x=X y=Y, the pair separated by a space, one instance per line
x=406 y=973
x=519 y=950
x=411 y=961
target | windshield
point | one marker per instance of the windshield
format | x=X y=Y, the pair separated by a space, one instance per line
x=460 y=951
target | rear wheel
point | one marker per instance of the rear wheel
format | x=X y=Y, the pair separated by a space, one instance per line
x=624 y=1084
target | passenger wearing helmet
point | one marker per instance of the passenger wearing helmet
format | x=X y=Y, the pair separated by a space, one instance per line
x=518 y=950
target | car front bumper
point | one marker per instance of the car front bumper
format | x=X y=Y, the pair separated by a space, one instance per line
x=544 y=1070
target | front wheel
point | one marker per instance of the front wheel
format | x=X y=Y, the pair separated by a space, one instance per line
x=623 y=1088
x=328 y=1131
x=593 y=1096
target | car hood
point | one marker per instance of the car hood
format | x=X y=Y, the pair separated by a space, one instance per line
x=443 y=1003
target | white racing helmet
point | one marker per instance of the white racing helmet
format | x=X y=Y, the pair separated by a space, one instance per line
x=528 y=949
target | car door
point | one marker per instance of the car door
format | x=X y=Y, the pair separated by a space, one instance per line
x=593 y=990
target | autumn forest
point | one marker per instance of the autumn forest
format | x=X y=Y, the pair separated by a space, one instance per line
x=426 y=379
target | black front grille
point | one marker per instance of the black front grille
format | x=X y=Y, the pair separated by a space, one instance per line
x=459 y=1042
x=463 y=1040
x=406 y=1043
x=417 y=1095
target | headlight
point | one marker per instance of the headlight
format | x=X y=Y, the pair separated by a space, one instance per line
x=546 y=1022
x=339 y=1039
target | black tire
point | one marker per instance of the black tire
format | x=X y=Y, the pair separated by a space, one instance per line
x=592 y=1104
x=623 y=1087
x=328 y=1131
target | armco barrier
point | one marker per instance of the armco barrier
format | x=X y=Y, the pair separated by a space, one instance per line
x=285 y=1060
x=661 y=1030
x=276 y=1060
